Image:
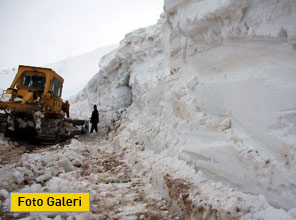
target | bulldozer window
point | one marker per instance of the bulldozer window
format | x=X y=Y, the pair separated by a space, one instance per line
x=35 y=82
x=54 y=86
x=59 y=89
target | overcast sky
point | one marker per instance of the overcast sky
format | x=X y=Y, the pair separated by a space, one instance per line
x=36 y=32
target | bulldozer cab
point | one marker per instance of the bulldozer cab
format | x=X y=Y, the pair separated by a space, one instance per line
x=41 y=86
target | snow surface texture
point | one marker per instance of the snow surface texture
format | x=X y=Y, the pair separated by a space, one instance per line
x=212 y=84
x=86 y=165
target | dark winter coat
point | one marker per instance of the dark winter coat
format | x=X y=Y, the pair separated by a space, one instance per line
x=94 y=117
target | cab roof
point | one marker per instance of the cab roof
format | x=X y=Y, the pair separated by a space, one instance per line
x=23 y=68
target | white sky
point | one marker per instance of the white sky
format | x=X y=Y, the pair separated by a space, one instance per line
x=36 y=32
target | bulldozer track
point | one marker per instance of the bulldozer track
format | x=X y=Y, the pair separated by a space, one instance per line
x=3 y=123
x=49 y=131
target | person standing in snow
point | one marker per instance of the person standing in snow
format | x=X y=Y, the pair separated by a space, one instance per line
x=94 y=120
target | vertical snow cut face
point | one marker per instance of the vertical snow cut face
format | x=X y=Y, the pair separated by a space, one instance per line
x=235 y=61
x=111 y=88
x=212 y=84
x=108 y=89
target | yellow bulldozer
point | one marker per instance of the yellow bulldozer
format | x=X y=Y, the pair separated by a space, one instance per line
x=32 y=108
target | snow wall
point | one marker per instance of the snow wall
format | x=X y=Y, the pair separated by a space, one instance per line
x=213 y=84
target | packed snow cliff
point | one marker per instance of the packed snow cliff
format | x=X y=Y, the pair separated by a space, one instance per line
x=210 y=92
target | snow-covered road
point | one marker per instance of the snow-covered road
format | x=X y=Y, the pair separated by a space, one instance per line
x=125 y=181
x=89 y=164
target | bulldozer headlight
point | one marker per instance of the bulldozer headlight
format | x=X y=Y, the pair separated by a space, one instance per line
x=48 y=108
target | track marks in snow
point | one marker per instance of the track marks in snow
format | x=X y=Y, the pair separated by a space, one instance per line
x=88 y=165
x=120 y=193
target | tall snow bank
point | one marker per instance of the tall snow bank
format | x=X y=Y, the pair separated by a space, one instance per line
x=212 y=84
x=111 y=88
x=239 y=58
x=108 y=89
x=214 y=20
